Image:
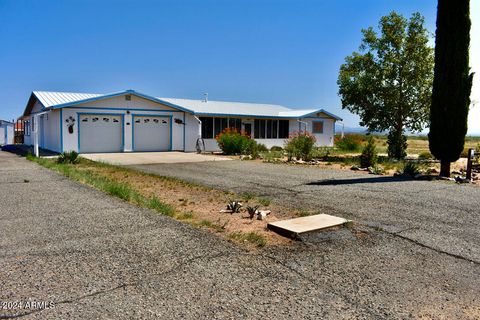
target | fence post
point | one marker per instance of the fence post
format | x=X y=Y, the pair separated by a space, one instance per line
x=469 y=164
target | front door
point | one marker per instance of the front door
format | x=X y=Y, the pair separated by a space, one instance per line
x=248 y=129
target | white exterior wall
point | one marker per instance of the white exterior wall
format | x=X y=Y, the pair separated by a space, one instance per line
x=8 y=129
x=120 y=106
x=323 y=140
x=327 y=138
x=50 y=138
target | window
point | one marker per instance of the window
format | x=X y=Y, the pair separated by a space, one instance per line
x=32 y=124
x=283 y=129
x=207 y=127
x=317 y=127
x=274 y=129
x=26 y=128
x=235 y=124
x=269 y=129
x=220 y=125
x=259 y=131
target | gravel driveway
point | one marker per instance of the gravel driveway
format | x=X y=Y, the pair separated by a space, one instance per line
x=96 y=257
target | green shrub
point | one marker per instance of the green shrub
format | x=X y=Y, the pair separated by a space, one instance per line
x=300 y=145
x=410 y=168
x=252 y=149
x=276 y=148
x=250 y=237
x=350 y=143
x=68 y=157
x=232 y=142
x=261 y=147
x=321 y=152
x=425 y=156
x=368 y=158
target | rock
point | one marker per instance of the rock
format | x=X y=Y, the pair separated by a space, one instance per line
x=355 y=168
x=262 y=214
x=433 y=170
x=446 y=178
x=459 y=179
x=456 y=172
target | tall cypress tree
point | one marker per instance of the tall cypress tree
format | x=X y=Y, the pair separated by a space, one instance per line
x=452 y=83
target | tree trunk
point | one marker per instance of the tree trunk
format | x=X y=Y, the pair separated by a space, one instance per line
x=444 y=168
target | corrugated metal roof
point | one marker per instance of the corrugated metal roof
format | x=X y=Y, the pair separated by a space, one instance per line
x=50 y=99
x=199 y=107
x=224 y=107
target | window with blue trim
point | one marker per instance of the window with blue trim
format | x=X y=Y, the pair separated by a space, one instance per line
x=317 y=127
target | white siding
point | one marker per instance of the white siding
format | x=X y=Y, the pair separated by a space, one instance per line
x=325 y=139
x=120 y=106
x=51 y=131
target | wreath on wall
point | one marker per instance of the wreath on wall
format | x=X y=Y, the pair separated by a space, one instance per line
x=70 y=123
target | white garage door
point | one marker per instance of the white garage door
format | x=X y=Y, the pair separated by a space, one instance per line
x=101 y=133
x=151 y=133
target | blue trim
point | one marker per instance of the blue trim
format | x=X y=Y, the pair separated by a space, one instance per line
x=124 y=109
x=61 y=130
x=322 y=111
x=184 y=128
x=323 y=127
x=150 y=115
x=206 y=114
x=105 y=114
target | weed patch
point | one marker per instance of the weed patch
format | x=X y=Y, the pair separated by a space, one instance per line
x=250 y=237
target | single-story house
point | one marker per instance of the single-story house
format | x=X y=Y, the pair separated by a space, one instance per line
x=130 y=121
x=7 y=132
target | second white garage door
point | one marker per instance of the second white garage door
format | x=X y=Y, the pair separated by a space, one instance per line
x=151 y=133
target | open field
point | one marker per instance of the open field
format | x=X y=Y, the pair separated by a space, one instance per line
x=416 y=144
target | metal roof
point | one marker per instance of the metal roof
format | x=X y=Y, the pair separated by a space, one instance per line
x=199 y=107
x=51 y=99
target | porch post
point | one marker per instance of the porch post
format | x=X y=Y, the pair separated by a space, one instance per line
x=35 y=136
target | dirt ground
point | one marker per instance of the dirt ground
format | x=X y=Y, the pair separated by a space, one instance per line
x=200 y=206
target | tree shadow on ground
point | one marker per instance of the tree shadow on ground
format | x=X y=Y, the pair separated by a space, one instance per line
x=336 y=182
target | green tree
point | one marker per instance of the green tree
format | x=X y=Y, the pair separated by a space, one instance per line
x=452 y=83
x=389 y=82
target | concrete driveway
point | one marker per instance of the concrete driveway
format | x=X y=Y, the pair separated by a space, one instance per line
x=91 y=256
x=135 y=158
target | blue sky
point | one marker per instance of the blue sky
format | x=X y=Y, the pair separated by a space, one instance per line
x=270 y=51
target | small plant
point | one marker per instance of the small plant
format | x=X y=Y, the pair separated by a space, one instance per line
x=376 y=169
x=186 y=215
x=234 y=206
x=368 y=158
x=264 y=201
x=252 y=149
x=300 y=145
x=261 y=147
x=411 y=169
x=425 y=156
x=68 y=157
x=250 y=237
x=350 y=142
x=252 y=211
x=247 y=196
x=276 y=148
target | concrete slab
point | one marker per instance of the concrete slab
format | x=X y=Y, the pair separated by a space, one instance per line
x=135 y=158
x=301 y=225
